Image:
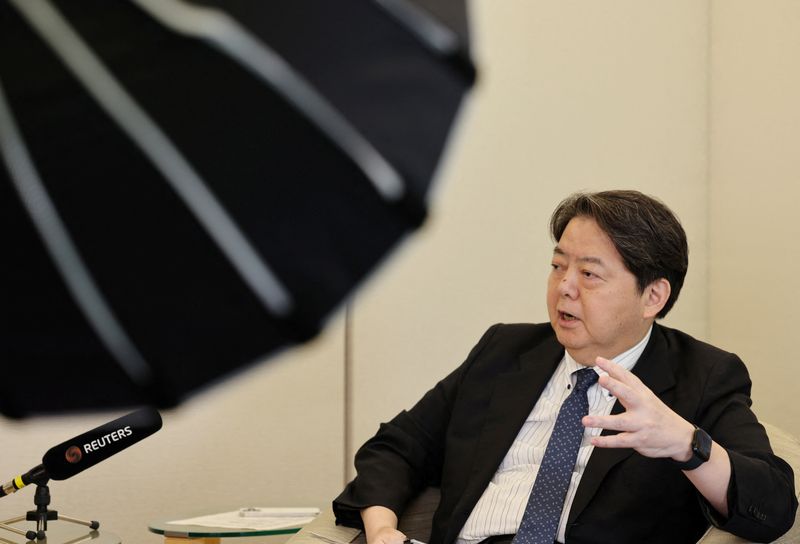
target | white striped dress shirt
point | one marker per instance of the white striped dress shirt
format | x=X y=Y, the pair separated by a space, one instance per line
x=500 y=508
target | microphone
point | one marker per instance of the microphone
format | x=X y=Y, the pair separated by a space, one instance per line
x=87 y=449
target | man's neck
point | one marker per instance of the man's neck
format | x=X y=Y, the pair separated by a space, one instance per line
x=639 y=345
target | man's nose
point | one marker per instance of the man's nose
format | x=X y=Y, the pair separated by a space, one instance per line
x=568 y=286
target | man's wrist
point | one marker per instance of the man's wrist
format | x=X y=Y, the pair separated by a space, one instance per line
x=684 y=448
x=700 y=450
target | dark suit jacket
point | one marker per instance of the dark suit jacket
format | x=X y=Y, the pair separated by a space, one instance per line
x=458 y=433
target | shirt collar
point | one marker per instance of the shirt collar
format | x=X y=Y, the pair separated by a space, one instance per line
x=627 y=359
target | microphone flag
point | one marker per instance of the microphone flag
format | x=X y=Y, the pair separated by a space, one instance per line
x=86 y=450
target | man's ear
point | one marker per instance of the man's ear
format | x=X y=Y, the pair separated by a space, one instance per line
x=655 y=296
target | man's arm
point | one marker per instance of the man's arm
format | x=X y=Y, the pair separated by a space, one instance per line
x=712 y=478
x=651 y=428
x=751 y=489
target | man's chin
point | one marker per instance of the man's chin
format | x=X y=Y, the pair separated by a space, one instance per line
x=572 y=342
x=573 y=334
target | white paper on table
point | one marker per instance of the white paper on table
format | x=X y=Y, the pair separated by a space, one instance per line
x=269 y=518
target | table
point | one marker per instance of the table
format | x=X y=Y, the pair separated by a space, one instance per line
x=197 y=534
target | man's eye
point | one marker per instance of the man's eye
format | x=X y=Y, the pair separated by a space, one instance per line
x=555 y=266
x=588 y=274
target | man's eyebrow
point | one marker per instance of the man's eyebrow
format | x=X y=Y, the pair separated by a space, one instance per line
x=594 y=260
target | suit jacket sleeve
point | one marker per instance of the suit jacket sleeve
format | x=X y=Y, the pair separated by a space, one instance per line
x=406 y=454
x=761 y=495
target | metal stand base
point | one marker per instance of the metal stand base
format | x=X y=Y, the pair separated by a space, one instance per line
x=41 y=516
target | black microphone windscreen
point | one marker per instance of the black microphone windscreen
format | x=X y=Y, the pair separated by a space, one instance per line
x=86 y=450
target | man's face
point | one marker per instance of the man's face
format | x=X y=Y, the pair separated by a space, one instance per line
x=593 y=300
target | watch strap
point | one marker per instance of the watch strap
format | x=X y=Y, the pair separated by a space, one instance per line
x=701 y=450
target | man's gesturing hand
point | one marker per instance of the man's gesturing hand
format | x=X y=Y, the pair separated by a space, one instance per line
x=648 y=425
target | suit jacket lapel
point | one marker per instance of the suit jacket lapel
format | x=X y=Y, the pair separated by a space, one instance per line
x=513 y=397
x=655 y=372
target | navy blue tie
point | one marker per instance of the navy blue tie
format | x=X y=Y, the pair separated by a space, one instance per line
x=543 y=512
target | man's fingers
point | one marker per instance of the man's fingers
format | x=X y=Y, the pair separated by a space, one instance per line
x=622 y=391
x=609 y=366
x=620 y=422
x=618 y=372
x=621 y=440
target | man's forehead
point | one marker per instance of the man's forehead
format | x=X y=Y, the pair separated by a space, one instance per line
x=581 y=258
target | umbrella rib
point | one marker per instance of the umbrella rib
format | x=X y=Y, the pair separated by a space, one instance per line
x=427 y=29
x=63 y=250
x=157 y=146
x=233 y=39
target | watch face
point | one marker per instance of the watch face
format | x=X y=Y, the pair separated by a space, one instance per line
x=701 y=444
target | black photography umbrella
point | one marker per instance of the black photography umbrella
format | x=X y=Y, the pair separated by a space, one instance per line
x=186 y=187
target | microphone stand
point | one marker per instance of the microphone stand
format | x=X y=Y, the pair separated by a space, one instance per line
x=42 y=515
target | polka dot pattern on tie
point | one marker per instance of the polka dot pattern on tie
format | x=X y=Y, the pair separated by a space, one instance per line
x=543 y=511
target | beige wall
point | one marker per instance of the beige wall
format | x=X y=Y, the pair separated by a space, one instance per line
x=754 y=260
x=573 y=95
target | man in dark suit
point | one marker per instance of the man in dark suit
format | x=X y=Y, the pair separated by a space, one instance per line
x=669 y=445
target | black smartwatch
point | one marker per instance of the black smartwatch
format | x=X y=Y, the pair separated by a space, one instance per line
x=701 y=450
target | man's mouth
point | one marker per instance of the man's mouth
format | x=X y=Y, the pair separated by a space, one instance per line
x=567 y=316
